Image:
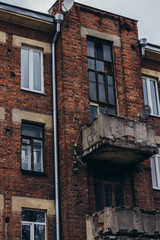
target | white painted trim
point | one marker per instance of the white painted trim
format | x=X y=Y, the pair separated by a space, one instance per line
x=32 y=224
x=157 y=169
x=31 y=62
x=148 y=79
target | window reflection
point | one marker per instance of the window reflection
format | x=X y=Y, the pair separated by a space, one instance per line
x=33 y=225
x=100 y=73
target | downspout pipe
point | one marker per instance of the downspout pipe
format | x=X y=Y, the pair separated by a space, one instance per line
x=59 y=20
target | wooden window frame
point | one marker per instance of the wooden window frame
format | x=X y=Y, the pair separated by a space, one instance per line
x=104 y=182
x=105 y=104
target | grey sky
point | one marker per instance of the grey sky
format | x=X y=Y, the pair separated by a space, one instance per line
x=145 y=11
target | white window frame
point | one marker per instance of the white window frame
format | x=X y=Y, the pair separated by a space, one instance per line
x=148 y=79
x=31 y=224
x=157 y=170
x=31 y=80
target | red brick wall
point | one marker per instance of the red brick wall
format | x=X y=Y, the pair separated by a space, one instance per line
x=155 y=121
x=13 y=181
x=77 y=189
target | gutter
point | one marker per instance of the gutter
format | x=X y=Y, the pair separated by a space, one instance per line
x=26 y=12
x=59 y=20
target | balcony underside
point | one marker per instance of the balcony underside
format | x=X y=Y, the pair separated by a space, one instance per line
x=118 y=152
x=118 y=140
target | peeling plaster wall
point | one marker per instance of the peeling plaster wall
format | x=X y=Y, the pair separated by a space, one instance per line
x=123 y=223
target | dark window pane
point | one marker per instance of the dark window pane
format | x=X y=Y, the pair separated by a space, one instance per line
x=99 y=66
x=102 y=110
x=93 y=112
x=102 y=93
x=107 y=53
x=92 y=90
x=111 y=177
x=111 y=111
x=108 y=195
x=90 y=49
x=37 y=155
x=26 y=157
x=92 y=76
x=25 y=232
x=33 y=216
x=101 y=79
x=25 y=68
x=39 y=232
x=145 y=91
x=118 y=195
x=99 y=51
x=98 y=196
x=111 y=98
x=110 y=80
x=108 y=68
x=154 y=97
x=26 y=141
x=153 y=171
x=101 y=88
x=32 y=131
x=91 y=64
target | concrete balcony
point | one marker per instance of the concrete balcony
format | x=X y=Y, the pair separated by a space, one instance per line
x=123 y=223
x=119 y=140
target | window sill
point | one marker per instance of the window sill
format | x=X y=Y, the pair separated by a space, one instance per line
x=156 y=189
x=158 y=116
x=33 y=173
x=33 y=91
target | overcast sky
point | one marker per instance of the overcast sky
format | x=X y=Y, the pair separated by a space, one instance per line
x=145 y=11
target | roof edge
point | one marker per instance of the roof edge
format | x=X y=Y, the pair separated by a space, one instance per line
x=95 y=9
x=26 y=12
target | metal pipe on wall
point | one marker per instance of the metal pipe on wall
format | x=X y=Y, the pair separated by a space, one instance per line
x=59 y=20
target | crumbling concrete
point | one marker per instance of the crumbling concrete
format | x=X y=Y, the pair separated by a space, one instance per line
x=123 y=223
x=118 y=139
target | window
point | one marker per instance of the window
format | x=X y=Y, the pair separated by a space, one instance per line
x=151 y=97
x=33 y=225
x=32 y=148
x=155 y=170
x=31 y=69
x=108 y=190
x=100 y=73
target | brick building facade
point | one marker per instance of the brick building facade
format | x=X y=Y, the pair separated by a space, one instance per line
x=106 y=139
x=26 y=184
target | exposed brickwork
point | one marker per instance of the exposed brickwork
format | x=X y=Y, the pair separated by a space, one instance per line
x=155 y=121
x=77 y=193
x=13 y=181
x=77 y=190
